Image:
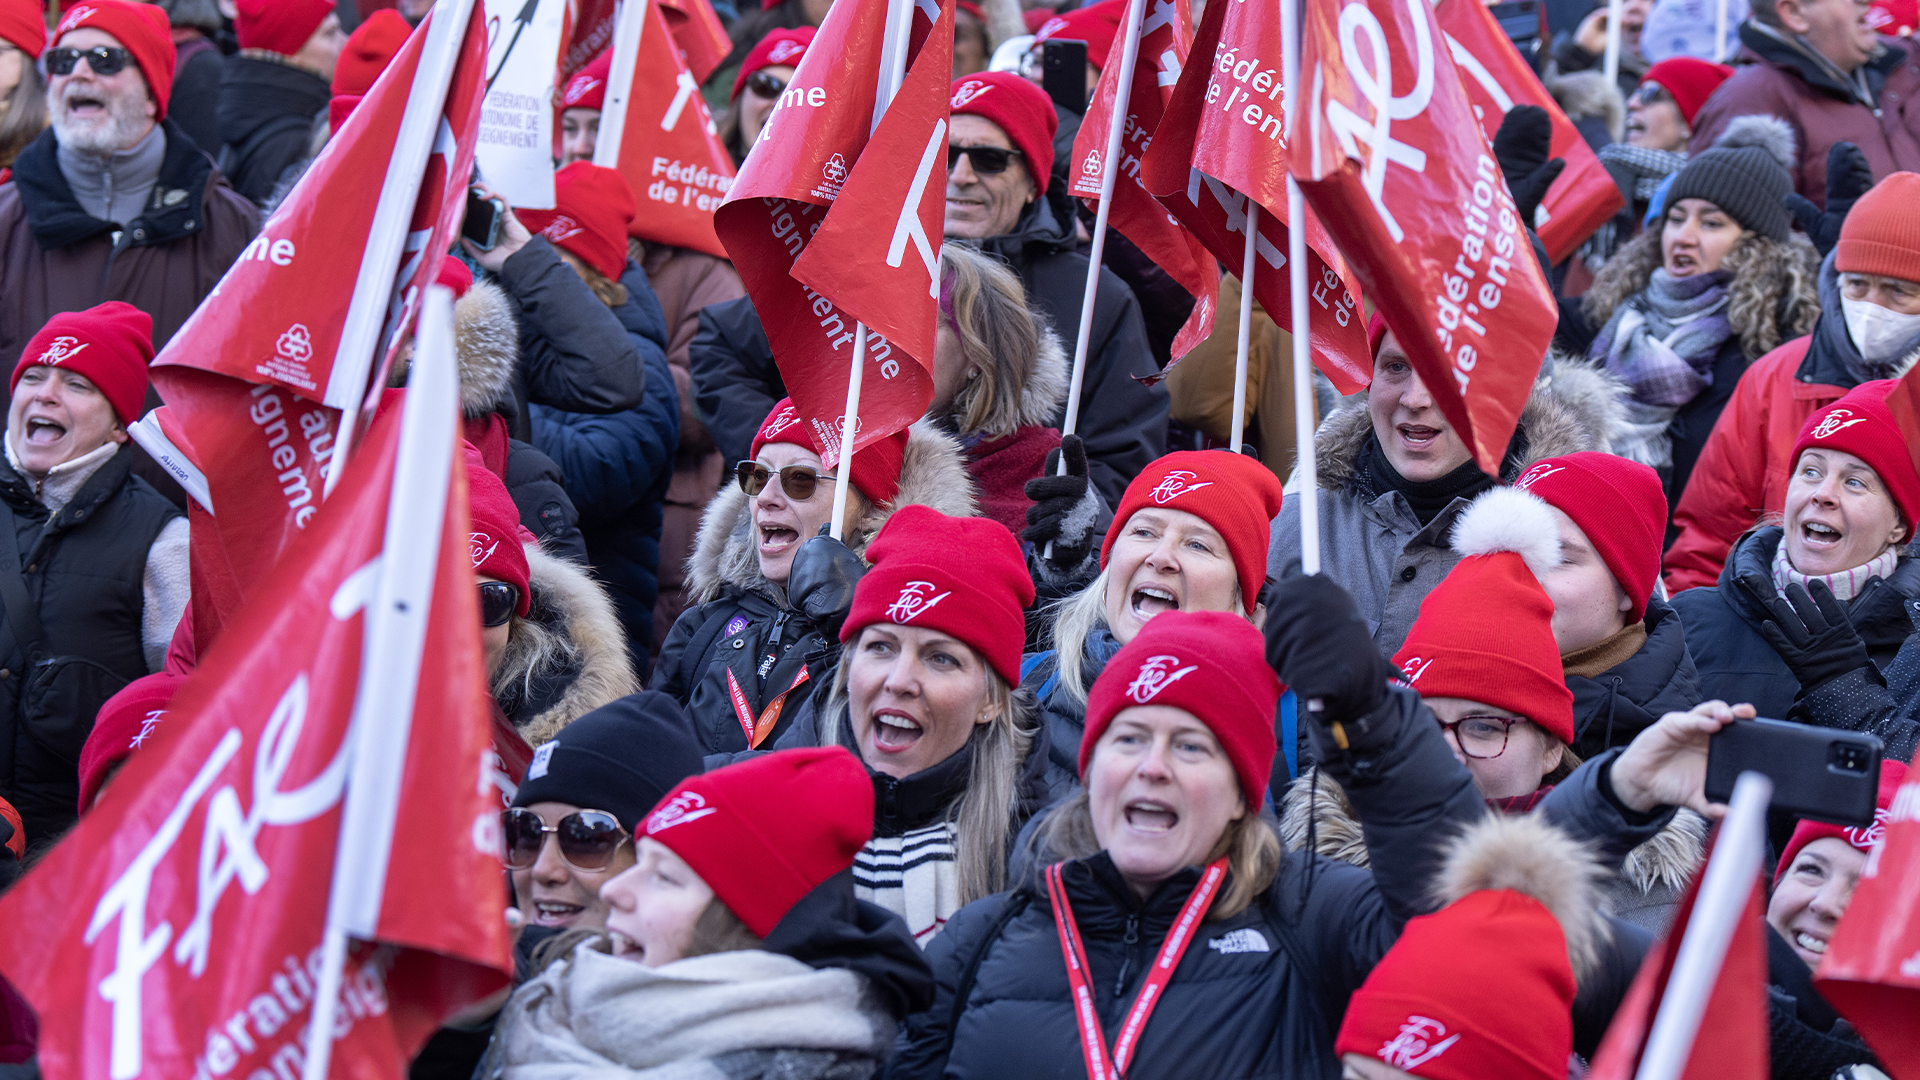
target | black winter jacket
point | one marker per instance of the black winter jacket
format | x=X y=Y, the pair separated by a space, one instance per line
x=1612 y=707
x=267 y=113
x=734 y=638
x=1723 y=625
x=574 y=354
x=1281 y=970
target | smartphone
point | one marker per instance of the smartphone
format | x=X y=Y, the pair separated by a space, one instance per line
x=1817 y=772
x=482 y=225
x=1525 y=23
x=1063 y=74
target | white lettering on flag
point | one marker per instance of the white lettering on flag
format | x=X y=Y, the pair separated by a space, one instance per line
x=909 y=224
x=1375 y=84
x=686 y=88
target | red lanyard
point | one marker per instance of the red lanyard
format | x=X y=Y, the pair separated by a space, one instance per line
x=1093 y=1043
x=757 y=729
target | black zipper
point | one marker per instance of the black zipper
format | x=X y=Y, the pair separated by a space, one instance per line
x=1131 y=937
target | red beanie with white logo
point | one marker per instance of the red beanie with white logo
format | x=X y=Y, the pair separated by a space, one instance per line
x=111 y=345
x=1892 y=775
x=766 y=832
x=123 y=724
x=1096 y=24
x=588 y=87
x=24 y=23
x=592 y=208
x=916 y=580
x=370 y=48
x=142 y=29
x=780 y=48
x=279 y=26
x=1485 y=633
x=1861 y=424
x=1621 y=507
x=1209 y=663
x=496 y=535
x=876 y=466
x=1232 y=492
x=1021 y=109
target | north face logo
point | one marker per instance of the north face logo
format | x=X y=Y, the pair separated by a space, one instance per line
x=1156 y=674
x=62 y=349
x=1247 y=940
x=1835 y=422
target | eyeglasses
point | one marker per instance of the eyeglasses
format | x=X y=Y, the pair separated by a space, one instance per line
x=1482 y=737
x=766 y=85
x=103 y=59
x=986 y=160
x=588 y=838
x=798 y=481
x=498 y=601
x=1649 y=94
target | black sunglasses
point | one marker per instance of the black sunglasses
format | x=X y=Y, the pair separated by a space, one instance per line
x=986 y=160
x=588 y=838
x=766 y=85
x=103 y=59
x=498 y=601
x=798 y=481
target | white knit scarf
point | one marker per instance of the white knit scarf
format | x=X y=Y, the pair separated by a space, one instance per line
x=1845 y=585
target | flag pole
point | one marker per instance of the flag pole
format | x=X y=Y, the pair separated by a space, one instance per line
x=631 y=19
x=1246 y=326
x=893 y=69
x=1725 y=889
x=1720 y=33
x=1306 y=466
x=1612 y=65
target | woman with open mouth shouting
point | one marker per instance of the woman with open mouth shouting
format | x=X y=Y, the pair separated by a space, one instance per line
x=1809 y=609
x=745 y=659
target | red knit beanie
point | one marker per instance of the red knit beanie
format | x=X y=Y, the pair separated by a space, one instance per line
x=876 y=467
x=1021 y=109
x=1880 y=234
x=1892 y=775
x=339 y=108
x=588 y=87
x=1485 y=633
x=1096 y=24
x=766 y=832
x=778 y=48
x=592 y=208
x=1894 y=18
x=1235 y=494
x=1208 y=663
x=279 y=26
x=370 y=48
x=917 y=581
x=24 y=23
x=142 y=29
x=1861 y=424
x=1481 y=988
x=455 y=275
x=123 y=724
x=1621 y=507
x=496 y=536
x=1376 y=333
x=111 y=345
x=1689 y=79
x=17 y=843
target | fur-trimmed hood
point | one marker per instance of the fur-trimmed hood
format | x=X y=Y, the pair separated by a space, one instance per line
x=1046 y=385
x=1589 y=94
x=582 y=663
x=1573 y=408
x=933 y=473
x=1523 y=853
x=487 y=339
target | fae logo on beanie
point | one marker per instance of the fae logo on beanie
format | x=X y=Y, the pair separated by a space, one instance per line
x=560 y=228
x=1421 y=1039
x=1414 y=667
x=480 y=547
x=1175 y=484
x=1536 y=474
x=784 y=51
x=61 y=349
x=967 y=91
x=1835 y=422
x=1156 y=674
x=682 y=808
x=1864 y=839
x=914 y=601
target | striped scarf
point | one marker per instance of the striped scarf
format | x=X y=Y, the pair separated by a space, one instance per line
x=913 y=875
x=1845 y=585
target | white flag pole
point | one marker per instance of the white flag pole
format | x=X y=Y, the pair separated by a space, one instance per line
x=1246 y=327
x=630 y=20
x=1306 y=466
x=1720 y=32
x=893 y=70
x=1612 y=66
x=1731 y=873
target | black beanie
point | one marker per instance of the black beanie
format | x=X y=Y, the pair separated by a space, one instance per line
x=622 y=757
x=1747 y=182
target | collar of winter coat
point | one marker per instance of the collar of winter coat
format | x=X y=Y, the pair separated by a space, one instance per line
x=1784 y=50
x=258 y=88
x=902 y=804
x=1657 y=679
x=1832 y=357
x=830 y=928
x=1043 y=228
x=1103 y=902
x=545 y=694
x=173 y=209
x=1878 y=612
x=87 y=482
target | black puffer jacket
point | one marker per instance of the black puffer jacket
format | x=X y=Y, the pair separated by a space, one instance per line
x=574 y=354
x=1260 y=994
x=1612 y=707
x=1723 y=625
x=267 y=112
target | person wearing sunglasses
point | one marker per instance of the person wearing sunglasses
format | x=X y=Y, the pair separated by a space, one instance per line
x=749 y=655
x=1660 y=116
x=757 y=88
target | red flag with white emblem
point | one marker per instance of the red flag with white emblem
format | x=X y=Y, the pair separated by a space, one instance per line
x=1390 y=156
x=589 y=30
x=1871 y=972
x=699 y=33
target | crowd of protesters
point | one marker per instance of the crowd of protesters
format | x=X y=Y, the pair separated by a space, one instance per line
x=1056 y=737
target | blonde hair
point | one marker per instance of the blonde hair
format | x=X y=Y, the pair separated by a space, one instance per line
x=999 y=338
x=1076 y=617
x=1250 y=845
x=1774 y=294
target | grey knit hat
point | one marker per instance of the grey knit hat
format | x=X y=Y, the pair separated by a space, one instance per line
x=1745 y=174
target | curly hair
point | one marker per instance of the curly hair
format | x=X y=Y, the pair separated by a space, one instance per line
x=1774 y=295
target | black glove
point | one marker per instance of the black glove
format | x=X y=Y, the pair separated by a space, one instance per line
x=1848 y=177
x=1064 y=507
x=822 y=580
x=1521 y=146
x=1811 y=632
x=1321 y=648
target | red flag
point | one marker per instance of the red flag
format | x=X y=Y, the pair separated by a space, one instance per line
x=666 y=146
x=1391 y=158
x=590 y=30
x=876 y=257
x=1871 y=972
x=1496 y=79
x=177 y=928
x=1165 y=41
x=699 y=33
x=1222 y=138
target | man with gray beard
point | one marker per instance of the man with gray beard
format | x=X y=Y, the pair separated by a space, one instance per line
x=113 y=201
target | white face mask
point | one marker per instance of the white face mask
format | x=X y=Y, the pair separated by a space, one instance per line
x=1879 y=333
